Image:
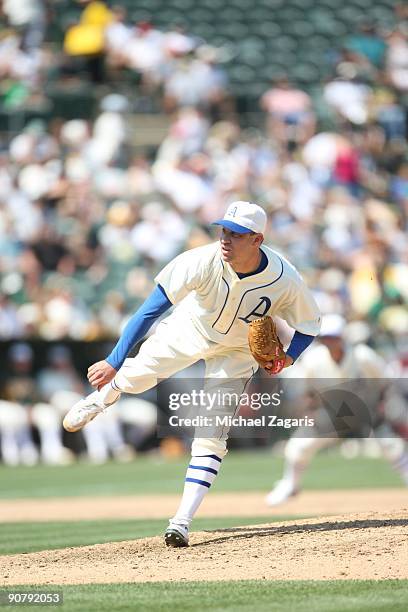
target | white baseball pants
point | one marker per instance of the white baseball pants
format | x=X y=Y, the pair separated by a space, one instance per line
x=175 y=345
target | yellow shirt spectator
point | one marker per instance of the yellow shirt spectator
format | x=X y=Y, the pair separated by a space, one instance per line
x=87 y=37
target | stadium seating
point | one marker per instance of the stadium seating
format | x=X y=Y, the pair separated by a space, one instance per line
x=267 y=37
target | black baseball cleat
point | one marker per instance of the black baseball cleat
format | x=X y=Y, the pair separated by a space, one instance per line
x=176 y=536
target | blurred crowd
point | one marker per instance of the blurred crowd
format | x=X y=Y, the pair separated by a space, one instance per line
x=35 y=401
x=86 y=219
x=101 y=45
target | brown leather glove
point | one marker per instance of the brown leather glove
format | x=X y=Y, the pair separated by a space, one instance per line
x=265 y=345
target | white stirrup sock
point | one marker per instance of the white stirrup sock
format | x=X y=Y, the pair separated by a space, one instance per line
x=200 y=475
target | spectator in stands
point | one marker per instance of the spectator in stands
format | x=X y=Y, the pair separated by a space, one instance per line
x=19 y=392
x=30 y=19
x=291 y=117
x=397 y=59
x=346 y=170
x=118 y=34
x=58 y=374
x=399 y=187
x=347 y=95
x=367 y=45
x=145 y=53
x=85 y=41
x=195 y=81
x=390 y=114
x=11 y=327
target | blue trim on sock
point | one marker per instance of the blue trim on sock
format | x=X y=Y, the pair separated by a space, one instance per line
x=206 y=469
x=200 y=482
x=212 y=457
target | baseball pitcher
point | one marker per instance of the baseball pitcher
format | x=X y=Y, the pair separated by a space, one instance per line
x=218 y=290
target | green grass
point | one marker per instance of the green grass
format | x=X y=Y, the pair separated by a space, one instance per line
x=241 y=471
x=239 y=596
x=29 y=537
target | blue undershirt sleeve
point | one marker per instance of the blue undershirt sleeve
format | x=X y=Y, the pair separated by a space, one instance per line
x=299 y=343
x=155 y=305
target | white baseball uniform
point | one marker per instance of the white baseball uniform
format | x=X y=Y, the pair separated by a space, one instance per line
x=359 y=361
x=213 y=309
x=214 y=306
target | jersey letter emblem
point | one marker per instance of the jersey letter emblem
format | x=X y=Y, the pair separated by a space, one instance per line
x=259 y=311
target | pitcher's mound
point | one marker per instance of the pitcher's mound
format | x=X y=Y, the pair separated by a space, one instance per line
x=371 y=546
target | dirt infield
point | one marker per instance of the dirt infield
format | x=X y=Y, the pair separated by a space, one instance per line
x=352 y=546
x=310 y=503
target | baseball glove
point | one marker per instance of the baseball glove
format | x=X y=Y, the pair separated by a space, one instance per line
x=265 y=345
